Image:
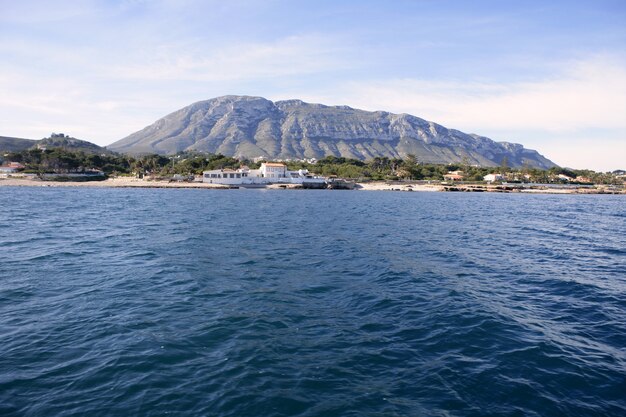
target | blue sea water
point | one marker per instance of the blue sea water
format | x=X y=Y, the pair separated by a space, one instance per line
x=153 y=302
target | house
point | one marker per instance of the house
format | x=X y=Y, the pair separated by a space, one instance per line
x=268 y=173
x=493 y=177
x=453 y=176
x=226 y=176
x=11 y=168
x=273 y=170
x=564 y=178
x=7 y=170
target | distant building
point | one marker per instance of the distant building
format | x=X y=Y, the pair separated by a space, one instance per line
x=273 y=170
x=584 y=180
x=269 y=173
x=11 y=168
x=454 y=176
x=225 y=176
x=493 y=177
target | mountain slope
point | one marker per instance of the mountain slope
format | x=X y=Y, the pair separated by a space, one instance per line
x=245 y=126
x=8 y=144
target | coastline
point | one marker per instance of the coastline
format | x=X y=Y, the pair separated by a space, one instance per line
x=365 y=186
x=108 y=183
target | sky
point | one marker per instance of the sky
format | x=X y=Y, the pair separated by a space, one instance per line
x=548 y=74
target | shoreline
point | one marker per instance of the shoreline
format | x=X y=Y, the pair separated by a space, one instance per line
x=366 y=186
x=108 y=183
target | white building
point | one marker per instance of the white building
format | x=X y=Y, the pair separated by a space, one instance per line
x=493 y=177
x=11 y=168
x=269 y=173
x=273 y=170
x=225 y=176
x=7 y=169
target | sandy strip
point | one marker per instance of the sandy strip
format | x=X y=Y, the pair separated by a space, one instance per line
x=111 y=182
x=383 y=186
x=366 y=186
x=122 y=182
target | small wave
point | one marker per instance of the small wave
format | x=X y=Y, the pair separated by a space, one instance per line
x=476 y=305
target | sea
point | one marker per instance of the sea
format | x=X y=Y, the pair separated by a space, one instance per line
x=183 y=302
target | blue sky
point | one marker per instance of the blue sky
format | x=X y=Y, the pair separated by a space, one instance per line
x=550 y=75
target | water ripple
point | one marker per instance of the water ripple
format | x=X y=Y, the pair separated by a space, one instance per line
x=195 y=302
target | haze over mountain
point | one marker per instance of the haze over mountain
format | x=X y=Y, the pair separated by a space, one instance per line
x=244 y=126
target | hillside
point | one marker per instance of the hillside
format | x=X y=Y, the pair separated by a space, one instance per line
x=243 y=126
x=8 y=144
x=72 y=144
x=55 y=140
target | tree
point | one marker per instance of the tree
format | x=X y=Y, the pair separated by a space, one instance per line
x=504 y=165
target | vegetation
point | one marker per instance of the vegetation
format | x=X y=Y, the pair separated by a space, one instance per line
x=61 y=160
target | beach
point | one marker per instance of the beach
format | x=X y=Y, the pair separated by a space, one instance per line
x=118 y=182
x=127 y=182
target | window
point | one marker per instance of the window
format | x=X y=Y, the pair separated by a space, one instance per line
x=238 y=175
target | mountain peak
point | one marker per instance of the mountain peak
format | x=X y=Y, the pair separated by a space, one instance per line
x=249 y=126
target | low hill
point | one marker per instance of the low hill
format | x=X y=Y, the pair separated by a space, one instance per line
x=8 y=144
x=72 y=144
x=55 y=140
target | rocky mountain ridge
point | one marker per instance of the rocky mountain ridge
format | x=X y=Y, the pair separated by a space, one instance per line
x=244 y=126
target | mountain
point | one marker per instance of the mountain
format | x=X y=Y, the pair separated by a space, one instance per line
x=244 y=126
x=8 y=144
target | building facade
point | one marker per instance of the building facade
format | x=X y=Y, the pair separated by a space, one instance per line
x=268 y=173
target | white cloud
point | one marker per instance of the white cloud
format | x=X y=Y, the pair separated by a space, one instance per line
x=105 y=94
x=294 y=55
x=576 y=117
x=103 y=98
x=607 y=154
x=586 y=94
x=33 y=107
